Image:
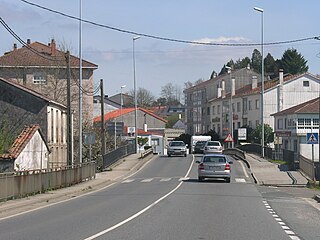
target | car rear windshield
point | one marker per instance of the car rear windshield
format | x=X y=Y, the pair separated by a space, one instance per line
x=177 y=144
x=213 y=144
x=214 y=159
x=200 y=143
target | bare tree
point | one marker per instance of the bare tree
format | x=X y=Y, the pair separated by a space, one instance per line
x=144 y=97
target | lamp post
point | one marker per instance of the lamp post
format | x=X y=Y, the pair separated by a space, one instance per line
x=231 y=109
x=135 y=93
x=121 y=103
x=260 y=10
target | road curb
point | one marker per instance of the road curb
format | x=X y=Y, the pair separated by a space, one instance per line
x=252 y=174
x=317 y=198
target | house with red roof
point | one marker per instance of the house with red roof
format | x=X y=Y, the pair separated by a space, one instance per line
x=279 y=94
x=293 y=126
x=43 y=68
x=29 y=151
x=147 y=121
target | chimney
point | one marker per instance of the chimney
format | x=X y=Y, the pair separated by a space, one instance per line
x=14 y=46
x=53 y=47
x=28 y=41
x=280 y=91
x=254 y=84
x=281 y=76
x=233 y=87
x=223 y=90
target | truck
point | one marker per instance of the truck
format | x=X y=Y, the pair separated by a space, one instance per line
x=195 y=139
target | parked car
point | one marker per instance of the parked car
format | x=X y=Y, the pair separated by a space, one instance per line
x=177 y=148
x=212 y=147
x=214 y=166
x=198 y=148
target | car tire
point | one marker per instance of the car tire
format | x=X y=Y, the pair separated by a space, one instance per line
x=200 y=179
x=228 y=180
x=185 y=154
x=169 y=155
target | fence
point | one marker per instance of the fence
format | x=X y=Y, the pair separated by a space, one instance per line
x=21 y=184
x=111 y=157
x=310 y=168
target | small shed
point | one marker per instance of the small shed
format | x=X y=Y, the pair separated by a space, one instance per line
x=28 y=152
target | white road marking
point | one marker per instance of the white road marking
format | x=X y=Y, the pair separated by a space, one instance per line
x=285 y=227
x=281 y=223
x=147 y=180
x=142 y=211
x=244 y=169
x=278 y=219
x=184 y=179
x=275 y=215
x=294 y=237
x=240 y=180
x=128 y=181
x=165 y=179
x=289 y=232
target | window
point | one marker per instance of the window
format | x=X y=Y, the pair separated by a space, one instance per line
x=39 y=78
x=307 y=123
x=238 y=107
x=280 y=123
x=306 y=83
x=250 y=107
x=316 y=122
x=257 y=122
x=250 y=124
x=218 y=109
x=257 y=104
x=233 y=107
x=213 y=110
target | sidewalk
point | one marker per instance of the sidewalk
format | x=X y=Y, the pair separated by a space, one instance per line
x=122 y=168
x=267 y=173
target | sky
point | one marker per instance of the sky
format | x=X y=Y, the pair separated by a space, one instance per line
x=158 y=62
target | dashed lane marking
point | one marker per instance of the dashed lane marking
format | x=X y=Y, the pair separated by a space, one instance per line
x=147 y=180
x=165 y=179
x=286 y=229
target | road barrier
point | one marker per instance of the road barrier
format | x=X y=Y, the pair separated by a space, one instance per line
x=25 y=183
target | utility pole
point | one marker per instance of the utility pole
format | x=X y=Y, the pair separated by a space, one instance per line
x=103 y=135
x=69 y=119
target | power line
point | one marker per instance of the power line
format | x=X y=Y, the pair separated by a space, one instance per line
x=6 y=26
x=165 y=38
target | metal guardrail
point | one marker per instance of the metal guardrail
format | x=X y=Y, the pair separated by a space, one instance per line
x=235 y=152
x=20 y=184
x=310 y=168
x=113 y=156
x=146 y=153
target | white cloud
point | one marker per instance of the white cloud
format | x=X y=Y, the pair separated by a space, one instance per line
x=223 y=40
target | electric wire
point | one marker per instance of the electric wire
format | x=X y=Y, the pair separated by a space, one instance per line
x=6 y=26
x=165 y=38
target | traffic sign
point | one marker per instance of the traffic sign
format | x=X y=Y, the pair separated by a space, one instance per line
x=312 y=138
x=229 y=138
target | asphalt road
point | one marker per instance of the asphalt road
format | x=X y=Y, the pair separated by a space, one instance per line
x=164 y=201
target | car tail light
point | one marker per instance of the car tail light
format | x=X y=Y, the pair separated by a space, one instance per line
x=227 y=166
x=201 y=167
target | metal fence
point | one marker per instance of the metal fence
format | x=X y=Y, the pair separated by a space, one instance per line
x=113 y=156
x=310 y=168
x=25 y=183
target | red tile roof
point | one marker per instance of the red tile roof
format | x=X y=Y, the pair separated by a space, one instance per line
x=311 y=106
x=117 y=113
x=25 y=57
x=20 y=142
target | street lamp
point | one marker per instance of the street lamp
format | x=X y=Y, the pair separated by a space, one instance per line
x=121 y=103
x=231 y=109
x=135 y=93
x=260 y=10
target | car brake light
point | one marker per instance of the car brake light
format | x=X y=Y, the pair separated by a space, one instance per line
x=227 y=166
x=201 y=167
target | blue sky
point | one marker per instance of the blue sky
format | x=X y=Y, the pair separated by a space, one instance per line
x=160 y=62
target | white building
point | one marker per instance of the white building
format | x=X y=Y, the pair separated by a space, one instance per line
x=293 y=124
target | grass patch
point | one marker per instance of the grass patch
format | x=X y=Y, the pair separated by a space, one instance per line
x=278 y=161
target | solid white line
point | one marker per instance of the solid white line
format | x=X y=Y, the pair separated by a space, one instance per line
x=140 y=212
x=244 y=169
x=142 y=167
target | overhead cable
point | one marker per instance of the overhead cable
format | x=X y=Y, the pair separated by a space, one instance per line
x=165 y=38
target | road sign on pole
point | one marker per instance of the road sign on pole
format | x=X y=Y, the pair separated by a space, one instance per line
x=312 y=138
x=228 y=138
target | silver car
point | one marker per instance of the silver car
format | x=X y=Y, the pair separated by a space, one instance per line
x=177 y=148
x=214 y=166
x=212 y=147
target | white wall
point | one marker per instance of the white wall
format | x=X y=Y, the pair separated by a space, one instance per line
x=34 y=155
